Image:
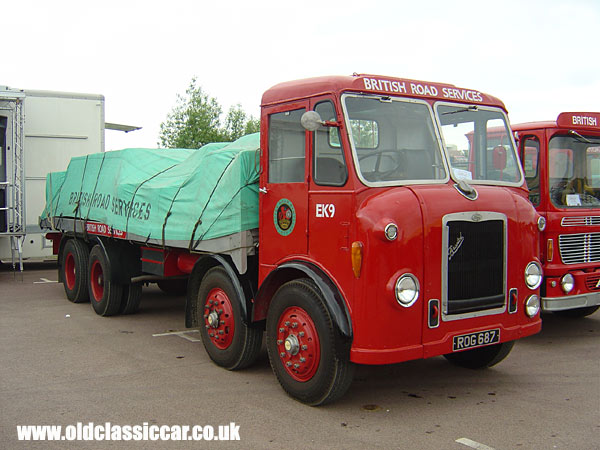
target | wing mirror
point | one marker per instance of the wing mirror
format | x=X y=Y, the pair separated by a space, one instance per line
x=311 y=121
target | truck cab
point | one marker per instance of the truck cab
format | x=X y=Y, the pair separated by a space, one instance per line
x=561 y=161
x=414 y=252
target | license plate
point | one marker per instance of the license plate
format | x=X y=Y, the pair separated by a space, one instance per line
x=479 y=339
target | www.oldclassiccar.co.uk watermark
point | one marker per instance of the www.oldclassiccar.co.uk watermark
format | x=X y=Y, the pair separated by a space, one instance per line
x=143 y=432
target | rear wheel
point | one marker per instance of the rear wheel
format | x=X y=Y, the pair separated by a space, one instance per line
x=132 y=295
x=304 y=348
x=105 y=295
x=577 y=312
x=227 y=340
x=480 y=358
x=73 y=270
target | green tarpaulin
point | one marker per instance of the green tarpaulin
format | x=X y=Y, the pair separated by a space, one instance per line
x=175 y=196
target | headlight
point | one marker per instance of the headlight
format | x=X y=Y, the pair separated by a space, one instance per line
x=533 y=275
x=567 y=283
x=407 y=290
x=532 y=305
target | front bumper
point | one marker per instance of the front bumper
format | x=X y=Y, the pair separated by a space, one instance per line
x=441 y=346
x=570 y=301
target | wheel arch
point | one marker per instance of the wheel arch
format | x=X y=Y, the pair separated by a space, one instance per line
x=334 y=300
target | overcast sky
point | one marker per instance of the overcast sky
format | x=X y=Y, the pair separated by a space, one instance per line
x=539 y=57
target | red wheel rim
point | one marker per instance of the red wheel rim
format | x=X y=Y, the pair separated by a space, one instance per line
x=219 y=319
x=298 y=344
x=97 y=281
x=70 y=274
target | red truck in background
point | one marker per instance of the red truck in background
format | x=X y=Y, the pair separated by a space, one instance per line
x=561 y=161
x=371 y=247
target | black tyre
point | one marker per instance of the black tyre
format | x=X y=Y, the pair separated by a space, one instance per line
x=105 y=295
x=305 y=350
x=227 y=340
x=132 y=295
x=577 y=312
x=482 y=357
x=73 y=270
x=176 y=287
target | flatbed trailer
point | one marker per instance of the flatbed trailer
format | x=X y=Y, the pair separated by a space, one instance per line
x=237 y=246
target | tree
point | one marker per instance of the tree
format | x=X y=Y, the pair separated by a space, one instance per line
x=238 y=124
x=196 y=120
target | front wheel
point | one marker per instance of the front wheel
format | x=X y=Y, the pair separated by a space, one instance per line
x=480 y=358
x=227 y=340
x=305 y=350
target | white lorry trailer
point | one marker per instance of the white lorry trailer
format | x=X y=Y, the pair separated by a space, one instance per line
x=40 y=131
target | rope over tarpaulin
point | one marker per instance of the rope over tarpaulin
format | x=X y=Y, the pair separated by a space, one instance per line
x=163 y=194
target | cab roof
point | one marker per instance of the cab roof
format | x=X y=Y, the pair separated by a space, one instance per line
x=586 y=121
x=533 y=125
x=312 y=87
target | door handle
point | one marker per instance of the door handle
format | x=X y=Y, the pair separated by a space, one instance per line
x=262 y=190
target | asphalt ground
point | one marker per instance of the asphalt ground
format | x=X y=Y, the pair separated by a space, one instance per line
x=61 y=364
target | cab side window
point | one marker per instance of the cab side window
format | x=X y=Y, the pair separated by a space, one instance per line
x=530 y=157
x=287 y=147
x=329 y=166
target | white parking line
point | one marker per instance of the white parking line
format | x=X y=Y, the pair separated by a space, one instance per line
x=44 y=280
x=182 y=334
x=473 y=444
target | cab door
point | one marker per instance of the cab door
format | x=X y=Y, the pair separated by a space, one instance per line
x=330 y=200
x=283 y=197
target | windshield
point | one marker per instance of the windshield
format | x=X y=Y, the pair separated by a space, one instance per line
x=479 y=145
x=393 y=140
x=574 y=171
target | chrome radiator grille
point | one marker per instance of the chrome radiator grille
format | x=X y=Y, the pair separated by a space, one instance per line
x=580 y=221
x=579 y=248
x=475 y=266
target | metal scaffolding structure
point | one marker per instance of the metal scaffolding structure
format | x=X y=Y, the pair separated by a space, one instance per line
x=13 y=187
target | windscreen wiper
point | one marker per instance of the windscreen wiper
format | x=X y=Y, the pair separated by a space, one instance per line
x=465 y=109
x=583 y=138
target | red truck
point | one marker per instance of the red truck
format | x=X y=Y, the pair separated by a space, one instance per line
x=561 y=161
x=371 y=248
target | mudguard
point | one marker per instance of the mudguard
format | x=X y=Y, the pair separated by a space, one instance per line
x=302 y=269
